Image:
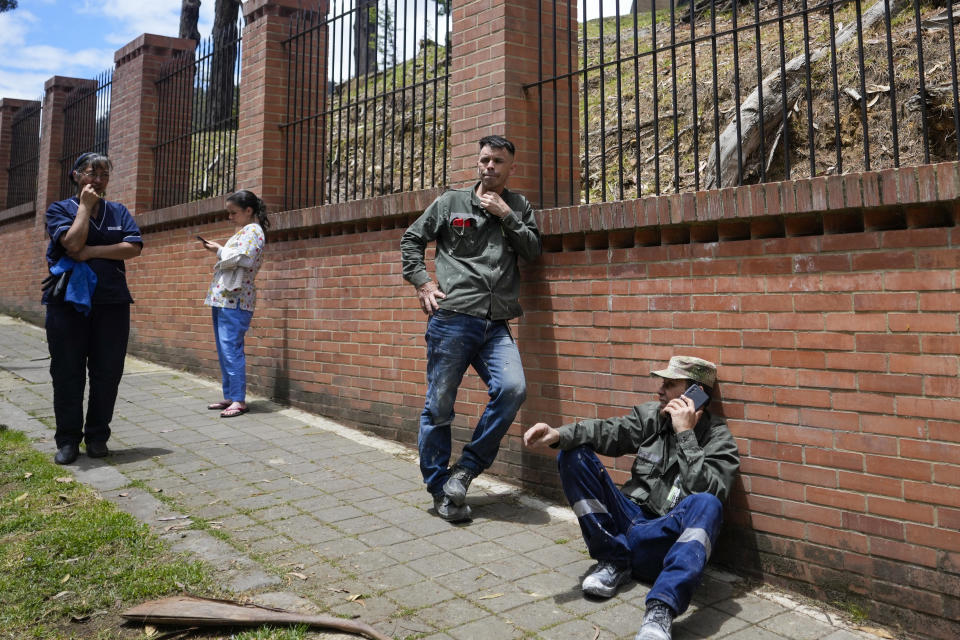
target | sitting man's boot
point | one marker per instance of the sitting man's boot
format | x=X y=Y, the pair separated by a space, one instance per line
x=449 y=511
x=457 y=484
x=67 y=454
x=657 y=622
x=604 y=580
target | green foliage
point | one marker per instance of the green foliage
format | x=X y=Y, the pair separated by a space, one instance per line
x=7 y=5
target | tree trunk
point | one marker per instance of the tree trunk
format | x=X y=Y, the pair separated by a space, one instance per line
x=775 y=85
x=365 y=38
x=223 y=63
x=189 y=17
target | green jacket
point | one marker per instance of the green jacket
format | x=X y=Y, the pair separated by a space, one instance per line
x=701 y=460
x=476 y=258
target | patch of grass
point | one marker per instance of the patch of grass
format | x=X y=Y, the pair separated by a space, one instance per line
x=70 y=561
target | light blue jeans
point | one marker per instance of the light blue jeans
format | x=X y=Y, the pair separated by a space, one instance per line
x=454 y=342
x=229 y=328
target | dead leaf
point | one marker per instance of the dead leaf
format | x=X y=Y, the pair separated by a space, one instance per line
x=883 y=633
x=336 y=590
x=149 y=631
x=490 y=596
x=596 y=633
x=79 y=619
x=61 y=595
x=21 y=497
x=123 y=495
x=357 y=597
x=296 y=574
x=27 y=475
x=65 y=578
x=168 y=518
x=64 y=480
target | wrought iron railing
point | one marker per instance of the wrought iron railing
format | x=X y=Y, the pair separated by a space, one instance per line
x=367 y=101
x=845 y=86
x=86 y=125
x=196 y=151
x=24 y=154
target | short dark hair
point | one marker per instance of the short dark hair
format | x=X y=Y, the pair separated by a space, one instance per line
x=497 y=142
x=89 y=160
x=246 y=199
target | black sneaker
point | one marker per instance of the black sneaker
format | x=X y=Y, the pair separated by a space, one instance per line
x=449 y=511
x=657 y=623
x=604 y=580
x=457 y=484
x=67 y=454
x=97 y=450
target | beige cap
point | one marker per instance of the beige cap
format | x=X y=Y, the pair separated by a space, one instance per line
x=690 y=368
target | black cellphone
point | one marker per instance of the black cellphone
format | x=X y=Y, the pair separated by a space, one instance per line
x=696 y=393
x=201 y=239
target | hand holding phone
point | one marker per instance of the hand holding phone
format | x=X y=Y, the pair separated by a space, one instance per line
x=696 y=393
x=202 y=239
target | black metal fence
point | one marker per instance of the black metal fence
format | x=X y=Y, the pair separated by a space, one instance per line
x=86 y=126
x=196 y=151
x=367 y=100
x=774 y=89
x=24 y=155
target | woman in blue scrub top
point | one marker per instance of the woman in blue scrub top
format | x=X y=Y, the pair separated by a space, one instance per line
x=232 y=295
x=88 y=331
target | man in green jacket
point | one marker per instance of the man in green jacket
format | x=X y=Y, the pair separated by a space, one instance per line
x=661 y=526
x=480 y=232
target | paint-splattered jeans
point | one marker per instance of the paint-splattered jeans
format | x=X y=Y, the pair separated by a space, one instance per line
x=671 y=551
x=455 y=341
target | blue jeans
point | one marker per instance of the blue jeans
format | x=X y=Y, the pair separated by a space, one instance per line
x=455 y=341
x=671 y=551
x=229 y=328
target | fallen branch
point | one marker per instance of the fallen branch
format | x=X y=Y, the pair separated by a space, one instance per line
x=207 y=612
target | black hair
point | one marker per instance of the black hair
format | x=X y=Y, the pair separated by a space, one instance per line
x=89 y=160
x=248 y=200
x=497 y=142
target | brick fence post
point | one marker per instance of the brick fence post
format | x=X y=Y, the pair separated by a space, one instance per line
x=56 y=90
x=263 y=97
x=496 y=52
x=9 y=108
x=134 y=115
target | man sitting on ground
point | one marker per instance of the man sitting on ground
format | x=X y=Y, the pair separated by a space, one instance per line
x=662 y=525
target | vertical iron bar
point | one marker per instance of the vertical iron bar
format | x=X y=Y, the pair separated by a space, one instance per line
x=540 y=102
x=736 y=90
x=288 y=202
x=619 y=105
x=586 y=113
x=556 y=114
x=603 y=113
x=760 y=78
x=448 y=52
x=861 y=67
x=716 y=96
x=783 y=92
x=894 y=128
x=636 y=98
x=811 y=149
x=953 y=79
x=656 y=100
x=674 y=105
x=836 y=86
x=693 y=99
x=921 y=72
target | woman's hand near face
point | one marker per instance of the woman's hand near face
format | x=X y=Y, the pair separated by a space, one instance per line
x=89 y=197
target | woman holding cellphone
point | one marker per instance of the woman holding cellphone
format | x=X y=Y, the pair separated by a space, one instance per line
x=232 y=295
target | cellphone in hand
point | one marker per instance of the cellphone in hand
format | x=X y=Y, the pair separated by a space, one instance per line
x=202 y=239
x=696 y=393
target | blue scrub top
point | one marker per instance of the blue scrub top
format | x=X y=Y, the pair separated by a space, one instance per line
x=113 y=226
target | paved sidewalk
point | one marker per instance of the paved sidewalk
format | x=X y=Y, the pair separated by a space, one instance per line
x=304 y=512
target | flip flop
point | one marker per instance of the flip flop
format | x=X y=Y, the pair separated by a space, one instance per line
x=233 y=413
x=219 y=406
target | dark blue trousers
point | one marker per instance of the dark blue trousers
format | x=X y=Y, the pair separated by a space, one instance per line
x=670 y=551
x=80 y=344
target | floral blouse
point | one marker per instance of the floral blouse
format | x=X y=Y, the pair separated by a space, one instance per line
x=242 y=251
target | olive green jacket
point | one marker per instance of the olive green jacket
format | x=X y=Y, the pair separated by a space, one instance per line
x=701 y=460
x=476 y=257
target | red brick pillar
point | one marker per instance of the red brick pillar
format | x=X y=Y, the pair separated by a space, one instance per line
x=9 y=108
x=56 y=90
x=496 y=52
x=134 y=115
x=263 y=96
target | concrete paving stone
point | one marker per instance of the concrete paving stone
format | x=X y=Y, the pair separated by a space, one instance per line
x=453 y=539
x=486 y=528
x=385 y=537
x=270 y=545
x=573 y=565
x=524 y=541
x=486 y=629
x=341 y=485
x=574 y=630
x=513 y=567
x=371 y=610
x=843 y=634
x=749 y=608
x=438 y=564
x=403 y=514
x=238 y=522
x=427 y=524
x=747 y=633
x=537 y=615
x=375 y=504
x=214 y=512
x=709 y=622
x=622 y=620
x=260 y=501
x=547 y=584
x=386 y=578
x=276 y=514
x=362 y=524
x=451 y=614
x=250 y=534
x=332 y=514
x=796 y=626
x=340 y=548
x=318 y=501
x=482 y=552
x=357 y=495
x=306 y=530
x=438 y=636
x=469 y=581
x=412 y=550
x=420 y=594
x=712 y=590
x=368 y=561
